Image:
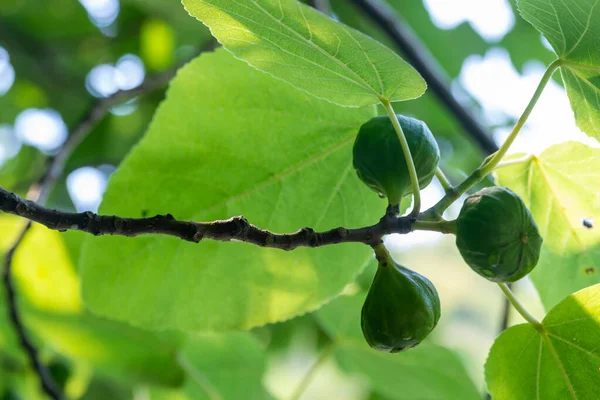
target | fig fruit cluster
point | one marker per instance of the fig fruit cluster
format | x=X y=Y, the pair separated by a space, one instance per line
x=495 y=234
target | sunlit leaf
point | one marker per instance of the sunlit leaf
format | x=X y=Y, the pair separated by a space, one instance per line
x=297 y=44
x=556 y=276
x=250 y=145
x=522 y=365
x=560 y=187
x=573 y=29
x=48 y=292
x=45 y=276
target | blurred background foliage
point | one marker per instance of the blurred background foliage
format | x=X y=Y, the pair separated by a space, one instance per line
x=57 y=59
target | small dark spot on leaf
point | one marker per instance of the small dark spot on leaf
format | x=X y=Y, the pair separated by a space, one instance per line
x=588 y=223
x=144 y=213
x=589 y=270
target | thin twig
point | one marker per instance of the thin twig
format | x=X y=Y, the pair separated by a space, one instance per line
x=46 y=381
x=232 y=229
x=39 y=192
x=416 y=54
x=519 y=307
x=505 y=312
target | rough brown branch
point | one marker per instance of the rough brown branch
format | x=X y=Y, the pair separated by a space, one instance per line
x=232 y=229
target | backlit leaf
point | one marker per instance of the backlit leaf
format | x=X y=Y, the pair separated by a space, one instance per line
x=299 y=45
x=560 y=188
x=573 y=29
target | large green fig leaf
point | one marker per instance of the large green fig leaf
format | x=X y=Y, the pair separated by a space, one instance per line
x=573 y=29
x=299 y=45
x=560 y=188
x=226 y=366
x=231 y=140
x=427 y=371
x=560 y=363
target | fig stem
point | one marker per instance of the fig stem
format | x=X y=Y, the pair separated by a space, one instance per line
x=519 y=307
x=444 y=181
x=382 y=255
x=488 y=165
x=514 y=161
x=442 y=226
x=412 y=171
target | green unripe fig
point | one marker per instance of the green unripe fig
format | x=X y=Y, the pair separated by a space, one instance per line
x=379 y=160
x=401 y=308
x=497 y=236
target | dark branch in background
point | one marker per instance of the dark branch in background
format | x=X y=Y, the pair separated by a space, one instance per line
x=39 y=192
x=46 y=381
x=418 y=56
x=232 y=229
x=92 y=116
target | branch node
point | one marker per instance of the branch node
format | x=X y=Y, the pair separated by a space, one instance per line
x=369 y=235
x=118 y=224
x=197 y=236
x=22 y=209
x=92 y=223
x=343 y=232
x=309 y=233
x=317 y=239
x=242 y=225
x=270 y=239
x=393 y=209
